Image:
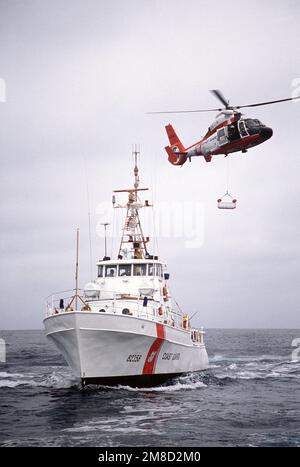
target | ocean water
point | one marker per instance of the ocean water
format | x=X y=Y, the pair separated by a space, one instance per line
x=249 y=397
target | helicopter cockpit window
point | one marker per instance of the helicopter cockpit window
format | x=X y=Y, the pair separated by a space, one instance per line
x=253 y=125
x=124 y=270
x=258 y=122
x=111 y=270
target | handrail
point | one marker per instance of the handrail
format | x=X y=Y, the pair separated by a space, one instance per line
x=171 y=317
x=115 y=296
x=61 y=292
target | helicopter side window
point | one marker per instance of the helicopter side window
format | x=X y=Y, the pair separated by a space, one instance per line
x=222 y=136
x=233 y=132
x=242 y=128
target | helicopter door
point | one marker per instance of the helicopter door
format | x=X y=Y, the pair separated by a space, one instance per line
x=222 y=137
x=242 y=128
x=233 y=132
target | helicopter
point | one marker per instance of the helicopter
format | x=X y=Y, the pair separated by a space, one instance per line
x=230 y=132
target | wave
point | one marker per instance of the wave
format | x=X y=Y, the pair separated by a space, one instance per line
x=60 y=381
x=259 y=369
x=172 y=388
x=187 y=382
x=246 y=358
x=13 y=384
x=250 y=367
x=5 y=374
x=223 y=369
x=56 y=380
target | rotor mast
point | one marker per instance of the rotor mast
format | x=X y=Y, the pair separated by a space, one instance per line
x=133 y=243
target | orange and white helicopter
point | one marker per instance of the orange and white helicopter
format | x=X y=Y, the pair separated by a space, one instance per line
x=230 y=132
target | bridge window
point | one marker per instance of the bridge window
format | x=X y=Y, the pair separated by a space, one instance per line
x=159 y=270
x=124 y=270
x=139 y=269
x=111 y=270
x=100 y=271
x=151 y=269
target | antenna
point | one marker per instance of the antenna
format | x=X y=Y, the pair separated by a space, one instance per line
x=136 y=153
x=76 y=269
x=105 y=224
x=76 y=296
x=132 y=233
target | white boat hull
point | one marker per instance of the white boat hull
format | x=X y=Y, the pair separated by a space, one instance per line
x=119 y=349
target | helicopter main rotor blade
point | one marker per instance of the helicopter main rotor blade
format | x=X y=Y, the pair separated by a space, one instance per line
x=218 y=94
x=185 y=111
x=266 y=103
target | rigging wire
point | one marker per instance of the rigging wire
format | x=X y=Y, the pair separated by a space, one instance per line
x=227 y=175
x=89 y=217
x=173 y=298
x=154 y=223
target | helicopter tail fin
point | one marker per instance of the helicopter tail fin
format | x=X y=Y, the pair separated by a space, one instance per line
x=177 y=154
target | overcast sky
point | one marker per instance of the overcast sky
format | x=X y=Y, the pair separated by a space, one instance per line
x=79 y=77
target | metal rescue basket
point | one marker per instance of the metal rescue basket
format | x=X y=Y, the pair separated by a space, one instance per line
x=227 y=202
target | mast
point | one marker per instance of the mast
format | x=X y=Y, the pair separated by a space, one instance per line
x=133 y=240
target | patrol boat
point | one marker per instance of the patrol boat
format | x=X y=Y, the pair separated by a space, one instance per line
x=123 y=329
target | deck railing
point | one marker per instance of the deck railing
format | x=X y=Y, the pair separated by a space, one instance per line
x=64 y=302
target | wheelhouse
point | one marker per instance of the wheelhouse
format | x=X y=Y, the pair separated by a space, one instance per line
x=130 y=269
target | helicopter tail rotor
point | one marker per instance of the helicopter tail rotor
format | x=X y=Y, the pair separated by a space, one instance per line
x=177 y=154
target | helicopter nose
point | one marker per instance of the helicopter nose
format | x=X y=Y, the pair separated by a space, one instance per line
x=266 y=132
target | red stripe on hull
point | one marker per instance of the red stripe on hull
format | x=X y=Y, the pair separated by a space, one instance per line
x=149 y=365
